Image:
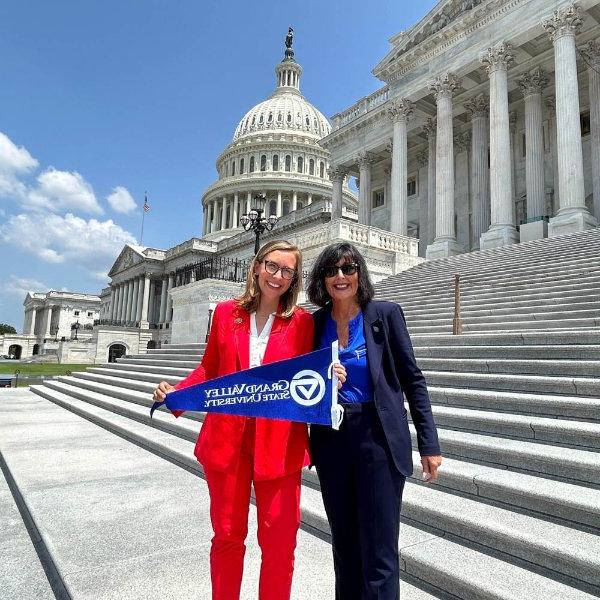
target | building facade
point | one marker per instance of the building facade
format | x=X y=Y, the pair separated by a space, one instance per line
x=487 y=131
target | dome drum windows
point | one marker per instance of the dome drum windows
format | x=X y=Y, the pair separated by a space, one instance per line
x=263 y=162
x=300 y=165
x=322 y=170
x=288 y=162
x=232 y=168
x=311 y=167
x=251 y=169
x=241 y=165
x=276 y=162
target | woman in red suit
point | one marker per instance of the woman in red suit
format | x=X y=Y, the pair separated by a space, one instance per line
x=262 y=326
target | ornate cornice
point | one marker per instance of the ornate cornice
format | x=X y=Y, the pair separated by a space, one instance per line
x=462 y=141
x=533 y=82
x=364 y=159
x=591 y=52
x=478 y=106
x=498 y=57
x=401 y=109
x=444 y=86
x=564 y=21
x=336 y=173
x=430 y=127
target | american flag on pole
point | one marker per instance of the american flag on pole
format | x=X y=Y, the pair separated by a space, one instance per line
x=146 y=205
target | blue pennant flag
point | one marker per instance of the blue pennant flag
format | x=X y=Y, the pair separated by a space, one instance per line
x=300 y=389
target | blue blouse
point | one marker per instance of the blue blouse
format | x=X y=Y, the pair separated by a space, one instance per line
x=358 y=386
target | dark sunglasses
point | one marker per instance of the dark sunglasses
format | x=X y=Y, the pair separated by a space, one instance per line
x=272 y=268
x=346 y=269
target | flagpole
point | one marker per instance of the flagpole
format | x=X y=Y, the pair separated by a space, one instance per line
x=143 y=215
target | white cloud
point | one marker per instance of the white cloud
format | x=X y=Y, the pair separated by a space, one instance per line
x=14 y=162
x=69 y=240
x=19 y=286
x=63 y=190
x=121 y=201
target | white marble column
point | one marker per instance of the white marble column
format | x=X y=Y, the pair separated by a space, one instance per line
x=235 y=211
x=336 y=175
x=309 y=200
x=478 y=108
x=224 y=213
x=430 y=130
x=32 y=323
x=143 y=317
x=532 y=85
x=445 y=243
x=48 y=322
x=294 y=200
x=134 y=296
x=400 y=112
x=117 y=316
x=592 y=54
x=573 y=214
x=139 y=299
x=124 y=291
x=152 y=301
x=364 y=160
x=422 y=162
x=502 y=231
x=169 y=300
x=163 y=301
x=279 y=206
x=207 y=218
x=248 y=202
x=128 y=299
x=215 y=216
x=550 y=102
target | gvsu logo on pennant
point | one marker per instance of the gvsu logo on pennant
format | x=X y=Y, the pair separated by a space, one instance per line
x=307 y=388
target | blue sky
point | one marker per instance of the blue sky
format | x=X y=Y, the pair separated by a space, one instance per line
x=103 y=100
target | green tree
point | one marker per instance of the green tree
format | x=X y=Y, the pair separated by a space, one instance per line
x=4 y=328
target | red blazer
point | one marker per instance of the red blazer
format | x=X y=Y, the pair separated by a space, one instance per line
x=281 y=447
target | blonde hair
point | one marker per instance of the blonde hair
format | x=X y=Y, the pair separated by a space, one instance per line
x=250 y=299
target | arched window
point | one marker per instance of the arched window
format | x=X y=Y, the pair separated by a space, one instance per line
x=300 y=165
x=275 y=162
x=289 y=117
x=254 y=120
x=233 y=167
x=288 y=162
x=307 y=122
x=251 y=170
x=280 y=117
x=263 y=162
x=311 y=166
x=241 y=165
x=261 y=120
x=226 y=169
x=322 y=170
x=286 y=207
x=316 y=125
x=270 y=119
x=273 y=207
x=299 y=205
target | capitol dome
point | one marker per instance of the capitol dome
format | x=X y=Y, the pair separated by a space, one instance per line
x=274 y=153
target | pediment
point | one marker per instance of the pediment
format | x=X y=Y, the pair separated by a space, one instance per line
x=447 y=12
x=128 y=257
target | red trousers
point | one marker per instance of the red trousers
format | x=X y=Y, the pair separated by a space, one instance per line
x=278 y=514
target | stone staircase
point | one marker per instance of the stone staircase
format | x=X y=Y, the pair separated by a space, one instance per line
x=516 y=512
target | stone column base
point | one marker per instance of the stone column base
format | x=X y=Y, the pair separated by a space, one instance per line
x=578 y=219
x=495 y=237
x=443 y=249
x=533 y=231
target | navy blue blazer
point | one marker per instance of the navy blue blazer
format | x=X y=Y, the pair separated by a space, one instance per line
x=394 y=370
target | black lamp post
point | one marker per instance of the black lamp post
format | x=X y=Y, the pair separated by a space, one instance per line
x=256 y=222
x=76 y=326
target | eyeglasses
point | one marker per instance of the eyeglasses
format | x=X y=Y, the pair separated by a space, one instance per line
x=346 y=269
x=272 y=268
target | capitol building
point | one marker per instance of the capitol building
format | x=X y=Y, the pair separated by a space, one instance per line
x=485 y=132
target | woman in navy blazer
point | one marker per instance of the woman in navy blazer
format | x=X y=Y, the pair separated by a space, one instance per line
x=363 y=466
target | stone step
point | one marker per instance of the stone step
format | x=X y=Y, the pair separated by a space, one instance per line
x=570 y=464
x=532 y=324
x=537 y=404
x=550 y=367
x=142 y=361
x=195 y=356
x=164 y=371
x=504 y=309
x=546 y=429
x=572 y=386
x=143 y=382
x=573 y=336
x=500 y=530
x=554 y=352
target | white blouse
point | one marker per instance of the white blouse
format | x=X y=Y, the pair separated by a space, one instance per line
x=259 y=341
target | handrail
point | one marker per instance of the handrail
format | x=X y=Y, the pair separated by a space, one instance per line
x=456 y=322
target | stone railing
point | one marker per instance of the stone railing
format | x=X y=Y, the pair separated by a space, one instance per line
x=193 y=244
x=362 y=107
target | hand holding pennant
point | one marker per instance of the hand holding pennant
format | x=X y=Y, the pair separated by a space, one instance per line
x=301 y=389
